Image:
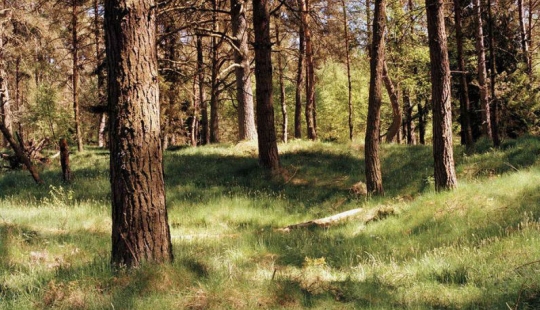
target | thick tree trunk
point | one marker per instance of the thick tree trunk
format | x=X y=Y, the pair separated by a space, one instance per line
x=75 y=73
x=244 y=93
x=393 y=131
x=140 y=231
x=372 y=157
x=283 y=104
x=268 y=151
x=299 y=78
x=464 y=103
x=445 y=175
x=310 y=74
x=482 y=74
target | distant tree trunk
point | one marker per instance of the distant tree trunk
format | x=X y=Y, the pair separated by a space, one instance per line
x=372 y=157
x=409 y=124
x=493 y=73
x=299 y=78
x=283 y=104
x=369 y=35
x=244 y=94
x=348 y=63
x=482 y=74
x=102 y=97
x=464 y=103
x=75 y=72
x=310 y=74
x=140 y=231
x=393 y=131
x=268 y=151
x=522 y=34
x=214 y=76
x=198 y=96
x=64 y=160
x=445 y=175
x=422 y=122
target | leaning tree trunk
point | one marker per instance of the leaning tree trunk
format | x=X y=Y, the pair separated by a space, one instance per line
x=268 y=151
x=140 y=231
x=482 y=72
x=393 y=131
x=373 y=163
x=464 y=103
x=445 y=175
x=244 y=94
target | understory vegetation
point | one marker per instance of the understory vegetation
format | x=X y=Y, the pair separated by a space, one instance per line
x=477 y=247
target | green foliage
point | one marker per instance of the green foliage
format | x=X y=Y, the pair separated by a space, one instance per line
x=332 y=99
x=46 y=118
x=472 y=248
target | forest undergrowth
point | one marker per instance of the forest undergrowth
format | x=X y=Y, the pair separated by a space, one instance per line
x=477 y=247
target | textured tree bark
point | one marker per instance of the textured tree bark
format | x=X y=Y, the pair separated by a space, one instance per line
x=464 y=103
x=396 y=109
x=268 y=151
x=64 y=160
x=214 y=80
x=5 y=105
x=482 y=73
x=373 y=129
x=299 y=78
x=75 y=72
x=310 y=73
x=522 y=35
x=445 y=175
x=244 y=93
x=140 y=231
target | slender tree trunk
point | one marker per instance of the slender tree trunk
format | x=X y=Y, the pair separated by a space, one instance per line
x=310 y=74
x=64 y=160
x=372 y=157
x=409 y=124
x=102 y=97
x=75 y=72
x=522 y=35
x=18 y=101
x=393 y=131
x=369 y=27
x=493 y=73
x=214 y=91
x=422 y=121
x=244 y=94
x=482 y=74
x=140 y=231
x=268 y=151
x=5 y=102
x=464 y=103
x=283 y=104
x=198 y=94
x=299 y=77
x=445 y=175
x=348 y=63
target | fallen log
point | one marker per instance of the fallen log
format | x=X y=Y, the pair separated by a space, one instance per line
x=365 y=216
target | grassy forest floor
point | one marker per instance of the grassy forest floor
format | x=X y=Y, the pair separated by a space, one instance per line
x=477 y=247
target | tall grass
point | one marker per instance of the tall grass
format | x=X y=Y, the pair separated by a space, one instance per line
x=474 y=248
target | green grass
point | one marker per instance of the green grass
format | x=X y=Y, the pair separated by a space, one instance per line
x=474 y=248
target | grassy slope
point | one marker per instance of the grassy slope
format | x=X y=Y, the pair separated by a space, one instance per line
x=474 y=248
